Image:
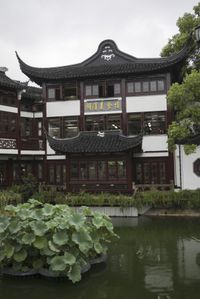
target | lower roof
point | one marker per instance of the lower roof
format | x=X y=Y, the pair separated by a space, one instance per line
x=95 y=142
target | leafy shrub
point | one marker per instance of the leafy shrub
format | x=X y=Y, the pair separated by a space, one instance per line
x=52 y=237
x=27 y=188
x=9 y=197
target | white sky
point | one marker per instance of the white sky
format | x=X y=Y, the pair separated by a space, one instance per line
x=49 y=33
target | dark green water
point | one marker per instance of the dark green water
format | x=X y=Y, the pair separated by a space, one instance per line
x=154 y=258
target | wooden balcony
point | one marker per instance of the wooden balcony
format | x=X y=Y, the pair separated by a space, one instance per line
x=7 y=143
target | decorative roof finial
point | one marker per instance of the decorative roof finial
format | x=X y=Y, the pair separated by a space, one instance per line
x=3 y=69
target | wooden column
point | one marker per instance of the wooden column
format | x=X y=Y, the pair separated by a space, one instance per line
x=81 y=118
x=124 y=115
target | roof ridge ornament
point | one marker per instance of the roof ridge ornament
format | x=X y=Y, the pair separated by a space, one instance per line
x=3 y=69
x=101 y=134
x=108 y=54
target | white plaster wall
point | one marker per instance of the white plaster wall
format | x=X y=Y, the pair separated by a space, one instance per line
x=56 y=157
x=63 y=108
x=49 y=150
x=146 y=103
x=9 y=151
x=154 y=143
x=30 y=152
x=177 y=167
x=31 y=114
x=8 y=109
x=189 y=179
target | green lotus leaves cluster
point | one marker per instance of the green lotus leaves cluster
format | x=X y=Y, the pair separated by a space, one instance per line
x=52 y=238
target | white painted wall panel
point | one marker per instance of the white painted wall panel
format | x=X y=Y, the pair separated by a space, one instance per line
x=30 y=152
x=8 y=109
x=146 y=103
x=9 y=151
x=49 y=150
x=154 y=143
x=31 y=114
x=189 y=179
x=63 y=108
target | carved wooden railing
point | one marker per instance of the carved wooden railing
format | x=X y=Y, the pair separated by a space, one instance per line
x=6 y=143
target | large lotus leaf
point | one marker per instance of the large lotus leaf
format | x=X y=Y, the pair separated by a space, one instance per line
x=23 y=213
x=63 y=223
x=37 y=263
x=4 y=222
x=20 y=256
x=75 y=273
x=53 y=247
x=47 y=252
x=14 y=226
x=40 y=242
x=28 y=238
x=37 y=214
x=58 y=263
x=83 y=239
x=52 y=223
x=98 y=248
x=108 y=224
x=9 y=250
x=60 y=238
x=69 y=258
x=98 y=220
x=2 y=255
x=48 y=210
x=39 y=227
x=34 y=202
x=77 y=220
x=12 y=209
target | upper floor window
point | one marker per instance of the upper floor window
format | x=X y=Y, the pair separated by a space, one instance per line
x=53 y=93
x=103 y=122
x=26 y=127
x=8 y=98
x=150 y=123
x=145 y=86
x=103 y=89
x=70 y=127
x=63 y=127
x=154 y=123
x=8 y=122
x=70 y=91
x=54 y=127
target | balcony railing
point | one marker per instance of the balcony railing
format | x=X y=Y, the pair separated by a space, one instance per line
x=6 y=143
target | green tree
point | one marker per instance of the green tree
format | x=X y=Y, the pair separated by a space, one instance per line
x=186 y=25
x=185 y=100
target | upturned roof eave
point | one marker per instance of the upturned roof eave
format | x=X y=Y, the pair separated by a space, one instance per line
x=83 y=70
x=90 y=142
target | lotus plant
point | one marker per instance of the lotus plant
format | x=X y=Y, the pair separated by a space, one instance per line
x=55 y=238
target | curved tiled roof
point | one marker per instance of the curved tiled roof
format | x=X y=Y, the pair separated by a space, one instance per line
x=108 y=60
x=95 y=142
x=6 y=82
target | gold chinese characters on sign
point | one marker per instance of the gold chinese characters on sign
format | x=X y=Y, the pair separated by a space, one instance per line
x=103 y=105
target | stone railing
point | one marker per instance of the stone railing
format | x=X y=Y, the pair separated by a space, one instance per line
x=8 y=143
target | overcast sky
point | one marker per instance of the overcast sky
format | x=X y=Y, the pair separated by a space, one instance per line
x=49 y=33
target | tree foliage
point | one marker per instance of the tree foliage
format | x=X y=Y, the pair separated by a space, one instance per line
x=186 y=25
x=185 y=99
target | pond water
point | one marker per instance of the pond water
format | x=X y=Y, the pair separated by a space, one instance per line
x=156 y=258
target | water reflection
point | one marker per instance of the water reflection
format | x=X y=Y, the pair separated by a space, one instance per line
x=153 y=259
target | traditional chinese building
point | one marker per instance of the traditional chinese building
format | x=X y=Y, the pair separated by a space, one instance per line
x=106 y=120
x=21 y=134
